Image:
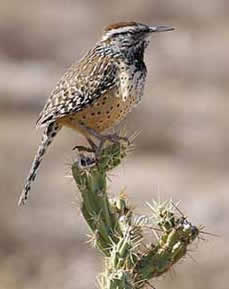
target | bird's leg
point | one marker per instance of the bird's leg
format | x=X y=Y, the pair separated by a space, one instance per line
x=94 y=147
x=83 y=149
x=115 y=138
x=102 y=138
x=99 y=149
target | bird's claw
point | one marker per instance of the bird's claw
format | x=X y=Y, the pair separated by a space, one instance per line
x=97 y=149
x=83 y=149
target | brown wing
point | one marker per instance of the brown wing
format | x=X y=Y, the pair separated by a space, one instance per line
x=80 y=86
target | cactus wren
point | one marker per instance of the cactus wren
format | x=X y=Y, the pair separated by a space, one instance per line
x=99 y=91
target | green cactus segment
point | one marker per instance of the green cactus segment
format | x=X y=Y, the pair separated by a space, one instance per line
x=96 y=207
x=119 y=266
x=177 y=233
x=111 y=156
x=130 y=262
x=118 y=279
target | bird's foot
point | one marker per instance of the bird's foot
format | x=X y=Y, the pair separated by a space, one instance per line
x=83 y=149
x=91 y=149
x=115 y=138
x=102 y=139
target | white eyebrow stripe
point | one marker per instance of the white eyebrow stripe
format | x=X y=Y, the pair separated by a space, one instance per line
x=118 y=30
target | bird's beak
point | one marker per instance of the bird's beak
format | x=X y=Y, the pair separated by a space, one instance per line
x=161 y=28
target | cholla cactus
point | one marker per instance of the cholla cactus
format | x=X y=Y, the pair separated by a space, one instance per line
x=118 y=233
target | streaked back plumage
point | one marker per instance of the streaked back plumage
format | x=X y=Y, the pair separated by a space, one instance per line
x=98 y=91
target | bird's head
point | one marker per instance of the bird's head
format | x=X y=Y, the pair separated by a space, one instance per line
x=131 y=34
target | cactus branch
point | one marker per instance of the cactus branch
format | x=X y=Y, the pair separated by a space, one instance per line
x=130 y=262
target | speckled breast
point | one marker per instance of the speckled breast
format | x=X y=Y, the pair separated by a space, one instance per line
x=103 y=114
x=111 y=108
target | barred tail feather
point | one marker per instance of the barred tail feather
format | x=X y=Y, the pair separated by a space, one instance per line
x=50 y=132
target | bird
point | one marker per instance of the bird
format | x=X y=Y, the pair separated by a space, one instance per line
x=96 y=93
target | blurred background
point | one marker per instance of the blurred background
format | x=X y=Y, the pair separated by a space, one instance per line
x=182 y=151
